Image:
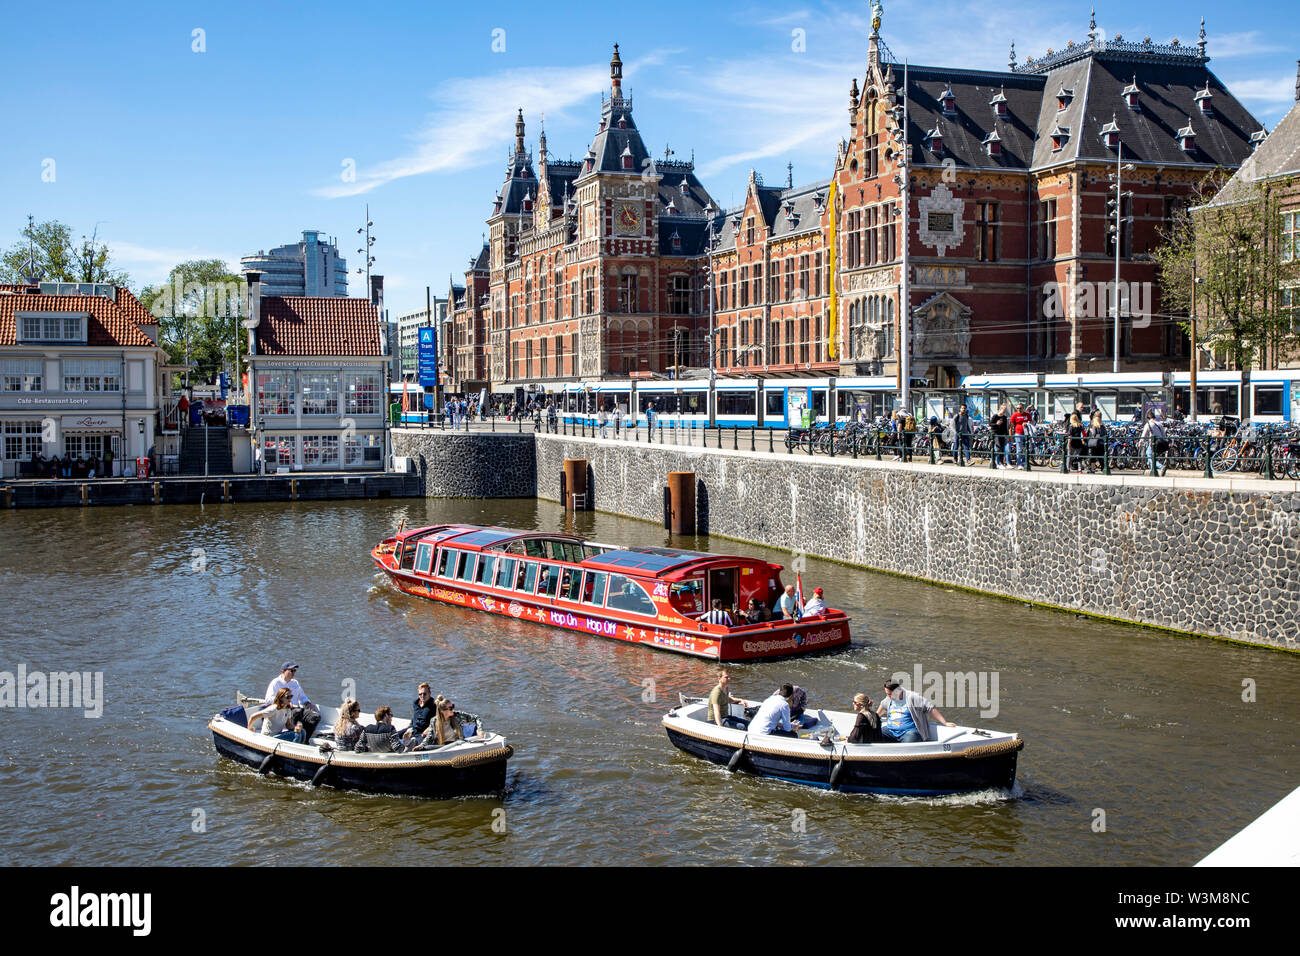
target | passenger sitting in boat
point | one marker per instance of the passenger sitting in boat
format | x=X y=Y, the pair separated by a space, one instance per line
x=816 y=605
x=773 y=715
x=381 y=736
x=905 y=714
x=756 y=612
x=717 y=615
x=798 y=701
x=347 y=729
x=277 y=718
x=421 y=714
x=445 y=729
x=866 y=729
x=310 y=713
x=787 y=605
x=720 y=701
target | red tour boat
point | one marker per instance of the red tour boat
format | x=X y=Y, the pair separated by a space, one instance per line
x=651 y=596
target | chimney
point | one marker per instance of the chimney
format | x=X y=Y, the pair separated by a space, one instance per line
x=254 y=280
x=377 y=292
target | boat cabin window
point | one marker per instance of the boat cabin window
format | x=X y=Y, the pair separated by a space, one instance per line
x=626 y=595
x=571 y=584
x=506 y=573
x=465 y=567
x=408 y=553
x=548 y=580
x=687 y=596
x=446 y=561
x=527 y=578
x=487 y=565
x=533 y=548
x=424 y=558
x=593 y=588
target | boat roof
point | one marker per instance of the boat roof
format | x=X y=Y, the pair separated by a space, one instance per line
x=647 y=560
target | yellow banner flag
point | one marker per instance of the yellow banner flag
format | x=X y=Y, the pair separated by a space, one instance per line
x=832 y=325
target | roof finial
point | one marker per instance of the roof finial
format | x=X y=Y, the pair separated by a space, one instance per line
x=616 y=75
x=1012 y=62
x=789 y=175
x=519 y=133
x=877 y=11
x=1092 y=25
x=1200 y=42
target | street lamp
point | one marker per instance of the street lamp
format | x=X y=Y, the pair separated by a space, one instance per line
x=1116 y=230
x=1191 y=402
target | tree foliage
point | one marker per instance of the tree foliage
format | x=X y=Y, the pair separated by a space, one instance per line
x=58 y=258
x=200 y=312
x=1230 y=240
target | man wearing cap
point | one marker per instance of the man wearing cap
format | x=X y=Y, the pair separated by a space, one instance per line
x=816 y=605
x=310 y=712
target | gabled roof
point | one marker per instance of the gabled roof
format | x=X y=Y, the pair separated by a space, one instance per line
x=113 y=322
x=965 y=131
x=1277 y=156
x=318 y=325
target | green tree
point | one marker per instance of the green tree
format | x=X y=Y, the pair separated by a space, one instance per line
x=1229 y=244
x=200 y=312
x=57 y=258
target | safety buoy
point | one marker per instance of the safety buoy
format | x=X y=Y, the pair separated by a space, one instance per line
x=316 y=779
x=835 y=773
x=736 y=758
x=265 y=765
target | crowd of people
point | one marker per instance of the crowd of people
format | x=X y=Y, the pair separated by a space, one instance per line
x=288 y=714
x=69 y=467
x=786 y=607
x=903 y=716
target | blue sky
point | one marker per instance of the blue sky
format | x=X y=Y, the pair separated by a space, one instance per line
x=178 y=154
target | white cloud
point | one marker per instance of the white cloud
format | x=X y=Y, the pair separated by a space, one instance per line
x=149 y=265
x=1249 y=43
x=1276 y=90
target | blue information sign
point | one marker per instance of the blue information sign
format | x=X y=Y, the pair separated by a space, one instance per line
x=427 y=356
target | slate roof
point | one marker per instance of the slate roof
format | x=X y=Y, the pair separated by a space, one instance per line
x=965 y=130
x=111 y=323
x=1277 y=156
x=318 y=325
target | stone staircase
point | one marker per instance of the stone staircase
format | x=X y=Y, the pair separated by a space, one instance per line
x=217 y=450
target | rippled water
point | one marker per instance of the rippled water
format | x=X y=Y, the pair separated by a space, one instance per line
x=1148 y=728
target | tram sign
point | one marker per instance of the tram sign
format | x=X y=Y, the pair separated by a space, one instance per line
x=427 y=356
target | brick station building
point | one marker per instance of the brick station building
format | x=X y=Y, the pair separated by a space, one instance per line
x=602 y=268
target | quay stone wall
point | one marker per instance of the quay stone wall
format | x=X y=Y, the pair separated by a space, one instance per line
x=470 y=464
x=1214 y=557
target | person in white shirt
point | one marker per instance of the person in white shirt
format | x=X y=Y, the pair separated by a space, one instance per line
x=773 y=715
x=717 y=615
x=816 y=605
x=286 y=680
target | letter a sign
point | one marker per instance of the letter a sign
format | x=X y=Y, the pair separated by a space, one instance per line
x=427 y=357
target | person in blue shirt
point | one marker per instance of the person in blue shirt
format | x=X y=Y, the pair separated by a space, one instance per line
x=906 y=715
x=787 y=605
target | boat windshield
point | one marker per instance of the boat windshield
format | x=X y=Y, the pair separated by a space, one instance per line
x=687 y=596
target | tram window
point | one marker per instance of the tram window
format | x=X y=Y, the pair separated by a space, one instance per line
x=693 y=404
x=527 y=577
x=506 y=574
x=1268 y=400
x=548 y=580
x=1127 y=403
x=424 y=558
x=626 y=595
x=775 y=403
x=735 y=403
x=593 y=588
x=487 y=564
x=819 y=402
x=445 y=563
x=465 y=571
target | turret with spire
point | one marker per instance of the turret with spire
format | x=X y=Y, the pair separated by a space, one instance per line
x=519 y=135
x=616 y=76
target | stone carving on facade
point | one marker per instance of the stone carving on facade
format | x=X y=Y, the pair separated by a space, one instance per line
x=941 y=328
x=870 y=281
x=941 y=226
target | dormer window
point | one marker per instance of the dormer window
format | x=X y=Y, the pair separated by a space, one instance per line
x=528 y=201
x=496 y=203
x=999 y=102
x=1063 y=98
x=1110 y=133
x=1203 y=98
x=948 y=101
x=819 y=202
x=622 y=121
x=1060 y=136
x=1257 y=137
x=709 y=209
x=52 y=328
x=686 y=187
x=627 y=157
x=670 y=209
x=1130 y=94
x=935 y=139
x=677 y=242
x=1187 y=137
x=993 y=144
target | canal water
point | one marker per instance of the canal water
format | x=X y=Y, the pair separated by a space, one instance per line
x=1140 y=748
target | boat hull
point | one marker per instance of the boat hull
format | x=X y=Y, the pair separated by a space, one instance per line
x=451 y=778
x=811 y=635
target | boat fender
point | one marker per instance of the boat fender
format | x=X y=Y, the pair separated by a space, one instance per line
x=835 y=773
x=320 y=774
x=265 y=765
x=734 y=763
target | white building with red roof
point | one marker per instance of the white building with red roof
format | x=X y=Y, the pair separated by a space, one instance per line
x=318 y=377
x=80 y=374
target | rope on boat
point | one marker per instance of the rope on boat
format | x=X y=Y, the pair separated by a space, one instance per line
x=993 y=750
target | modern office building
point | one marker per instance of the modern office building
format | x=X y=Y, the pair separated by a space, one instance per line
x=312 y=267
x=407 y=325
